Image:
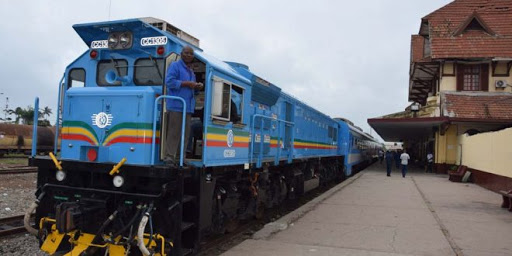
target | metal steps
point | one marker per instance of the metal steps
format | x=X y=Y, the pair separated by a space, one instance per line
x=186 y=225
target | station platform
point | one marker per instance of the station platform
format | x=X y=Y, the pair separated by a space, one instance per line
x=374 y=215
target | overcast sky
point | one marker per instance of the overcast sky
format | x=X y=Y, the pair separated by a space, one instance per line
x=345 y=58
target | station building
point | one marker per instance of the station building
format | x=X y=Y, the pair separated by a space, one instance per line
x=460 y=89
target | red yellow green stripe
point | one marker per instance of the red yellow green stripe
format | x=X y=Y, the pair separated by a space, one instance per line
x=128 y=135
x=218 y=137
x=76 y=130
x=302 y=144
x=121 y=133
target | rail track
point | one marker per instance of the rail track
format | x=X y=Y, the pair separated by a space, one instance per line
x=17 y=169
x=12 y=225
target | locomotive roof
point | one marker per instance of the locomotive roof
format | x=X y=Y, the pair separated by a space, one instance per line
x=90 y=32
x=100 y=30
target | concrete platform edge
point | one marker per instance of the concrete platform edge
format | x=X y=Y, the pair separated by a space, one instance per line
x=281 y=224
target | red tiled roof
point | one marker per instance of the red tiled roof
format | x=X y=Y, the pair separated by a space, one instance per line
x=417 y=42
x=444 y=22
x=477 y=105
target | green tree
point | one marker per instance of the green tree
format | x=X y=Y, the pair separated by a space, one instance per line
x=46 y=112
x=26 y=116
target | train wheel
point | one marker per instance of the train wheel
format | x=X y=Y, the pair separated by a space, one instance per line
x=344 y=173
x=218 y=226
x=231 y=225
x=260 y=211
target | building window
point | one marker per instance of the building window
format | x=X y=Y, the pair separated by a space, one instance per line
x=426 y=48
x=473 y=77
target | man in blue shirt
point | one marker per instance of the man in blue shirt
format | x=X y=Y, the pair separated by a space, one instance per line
x=180 y=81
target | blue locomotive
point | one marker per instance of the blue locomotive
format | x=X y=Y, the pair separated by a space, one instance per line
x=253 y=147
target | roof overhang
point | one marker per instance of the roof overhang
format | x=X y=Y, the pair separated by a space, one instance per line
x=413 y=128
x=400 y=129
x=422 y=79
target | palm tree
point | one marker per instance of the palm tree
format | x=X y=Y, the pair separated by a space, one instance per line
x=18 y=112
x=26 y=116
x=47 y=111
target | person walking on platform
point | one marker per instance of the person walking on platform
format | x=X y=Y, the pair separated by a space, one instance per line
x=389 y=162
x=381 y=155
x=430 y=162
x=396 y=156
x=404 y=157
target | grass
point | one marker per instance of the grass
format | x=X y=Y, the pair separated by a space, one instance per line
x=13 y=161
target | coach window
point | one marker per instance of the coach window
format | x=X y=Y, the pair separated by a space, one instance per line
x=76 y=78
x=104 y=66
x=149 y=71
x=228 y=102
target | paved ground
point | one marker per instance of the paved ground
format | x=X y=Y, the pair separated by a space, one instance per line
x=371 y=214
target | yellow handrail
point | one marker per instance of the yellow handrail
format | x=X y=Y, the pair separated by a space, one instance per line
x=55 y=161
x=117 y=166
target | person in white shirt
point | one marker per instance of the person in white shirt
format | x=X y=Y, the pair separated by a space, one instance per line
x=430 y=162
x=404 y=157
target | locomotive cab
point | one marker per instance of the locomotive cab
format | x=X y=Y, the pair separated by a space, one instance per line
x=118 y=80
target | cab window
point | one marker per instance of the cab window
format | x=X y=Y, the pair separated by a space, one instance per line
x=228 y=102
x=118 y=65
x=149 y=71
x=76 y=78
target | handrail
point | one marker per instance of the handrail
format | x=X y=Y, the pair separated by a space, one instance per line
x=288 y=123
x=183 y=120
x=57 y=123
x=34 y=129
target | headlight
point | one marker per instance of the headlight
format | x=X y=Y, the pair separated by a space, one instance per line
x=120 y=40
x=118 y=181
x=125 y=40
x=113 y=40
x=60 y=175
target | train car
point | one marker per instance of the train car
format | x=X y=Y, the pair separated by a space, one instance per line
x=359 y=148
x=17 y=138
x=110 y=192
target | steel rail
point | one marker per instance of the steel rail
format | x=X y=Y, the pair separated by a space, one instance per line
x=12 y=225
x=17 y=170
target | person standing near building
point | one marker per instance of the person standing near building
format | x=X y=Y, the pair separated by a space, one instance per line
x=180 y=81
x=389 y=162
x=430 y=162
x=404 y=157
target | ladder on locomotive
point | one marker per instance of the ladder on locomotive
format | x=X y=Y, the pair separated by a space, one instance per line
x=261 y=128
x=186 y=213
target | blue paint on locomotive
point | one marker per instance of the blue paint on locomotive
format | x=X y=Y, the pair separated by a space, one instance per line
x=247 y=120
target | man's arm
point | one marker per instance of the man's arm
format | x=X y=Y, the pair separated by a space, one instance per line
x=172 y=80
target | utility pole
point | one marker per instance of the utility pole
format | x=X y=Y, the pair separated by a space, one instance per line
x=6 y=108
